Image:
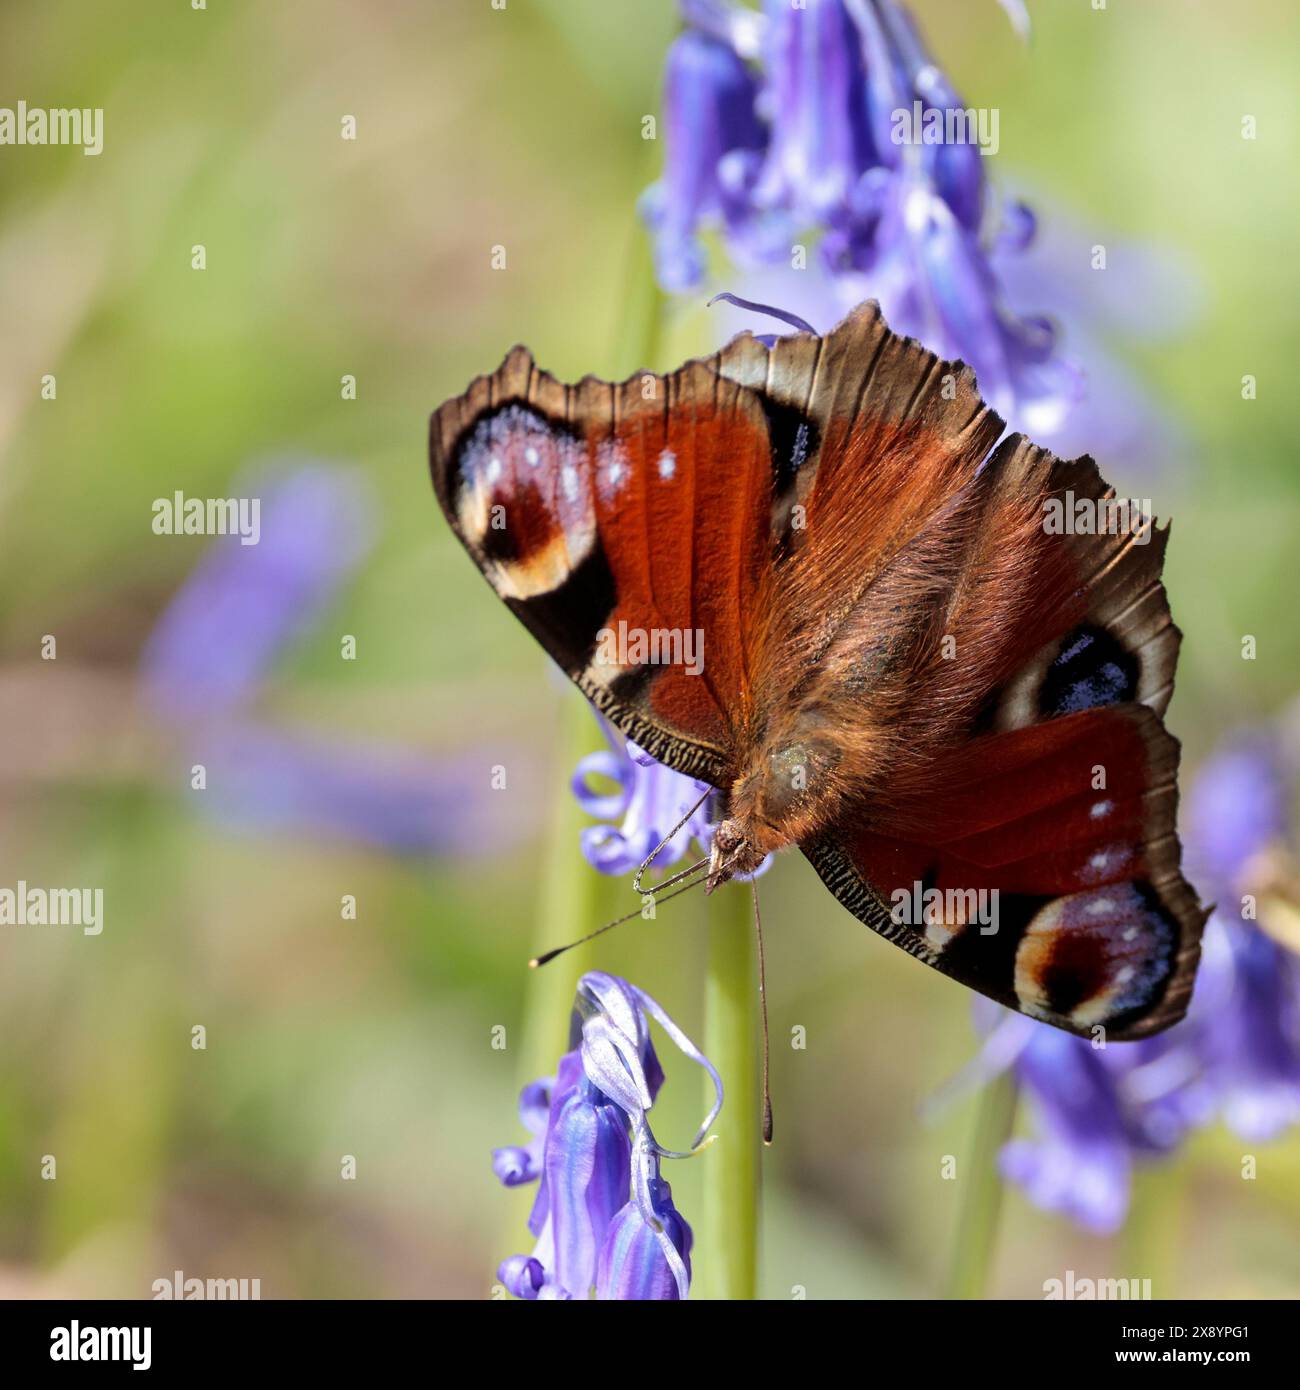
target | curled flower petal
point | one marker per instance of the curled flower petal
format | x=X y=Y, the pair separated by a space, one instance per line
x=603 y=805
x=515 y=1165
x=522 y=1275
x=689 y=1049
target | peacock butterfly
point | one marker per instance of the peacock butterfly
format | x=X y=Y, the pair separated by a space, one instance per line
x=899 y=663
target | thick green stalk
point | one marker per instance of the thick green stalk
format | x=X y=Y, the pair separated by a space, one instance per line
x=725 y=1259
x=1151 y=1246
x=572 y=900
x=977 y=1225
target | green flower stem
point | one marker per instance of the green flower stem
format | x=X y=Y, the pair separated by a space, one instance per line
x=725 y=1259
x=573 y=900
x=1152 y=1239
x=977 y=1225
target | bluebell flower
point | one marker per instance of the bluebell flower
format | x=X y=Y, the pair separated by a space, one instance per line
x=912 y=225
x=1238 y=811
x=1240 y=838
x=1250 y=1013
x=646 y=1253
x=264 y=779
x=649 y=799
x=819 y=136
x=243 y=606
x=522 y=1163
x=712 y=141
x=1080 y=1162
x=603 y=1218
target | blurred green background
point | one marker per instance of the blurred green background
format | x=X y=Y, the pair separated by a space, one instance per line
x=373 y=1037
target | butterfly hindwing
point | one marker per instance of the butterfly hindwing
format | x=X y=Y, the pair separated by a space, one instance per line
x=1043 y=872
x=1053 y=783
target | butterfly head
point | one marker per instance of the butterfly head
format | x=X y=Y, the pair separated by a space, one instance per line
x=734 y=852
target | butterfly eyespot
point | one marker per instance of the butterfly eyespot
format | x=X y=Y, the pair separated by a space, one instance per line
x=1091 y=669
x=1091 y=957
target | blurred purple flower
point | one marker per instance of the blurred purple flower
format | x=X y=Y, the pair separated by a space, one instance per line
x=901 y=221
x=1145 y=295
x=237 y=614
x=603 y=1217
x=712 y=146
x=819 y=137
x=1250 y=1014
x=244 y=605
x=1239 y=827
x=1237 y=811
x=1080 y=1163
x=370 y=792
x=917 y=228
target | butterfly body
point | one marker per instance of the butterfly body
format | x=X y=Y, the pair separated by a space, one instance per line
x=904 y=671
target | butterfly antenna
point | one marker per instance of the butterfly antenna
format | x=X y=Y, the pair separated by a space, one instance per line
x=548 y=956
x=792 y=319
x=654 y=853
x=762 y=1006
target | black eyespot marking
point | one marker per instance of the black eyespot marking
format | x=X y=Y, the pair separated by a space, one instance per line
x=794 y=440
x=1090 y=670
x=510 y=544
x=629 y=687
x=567 y=620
